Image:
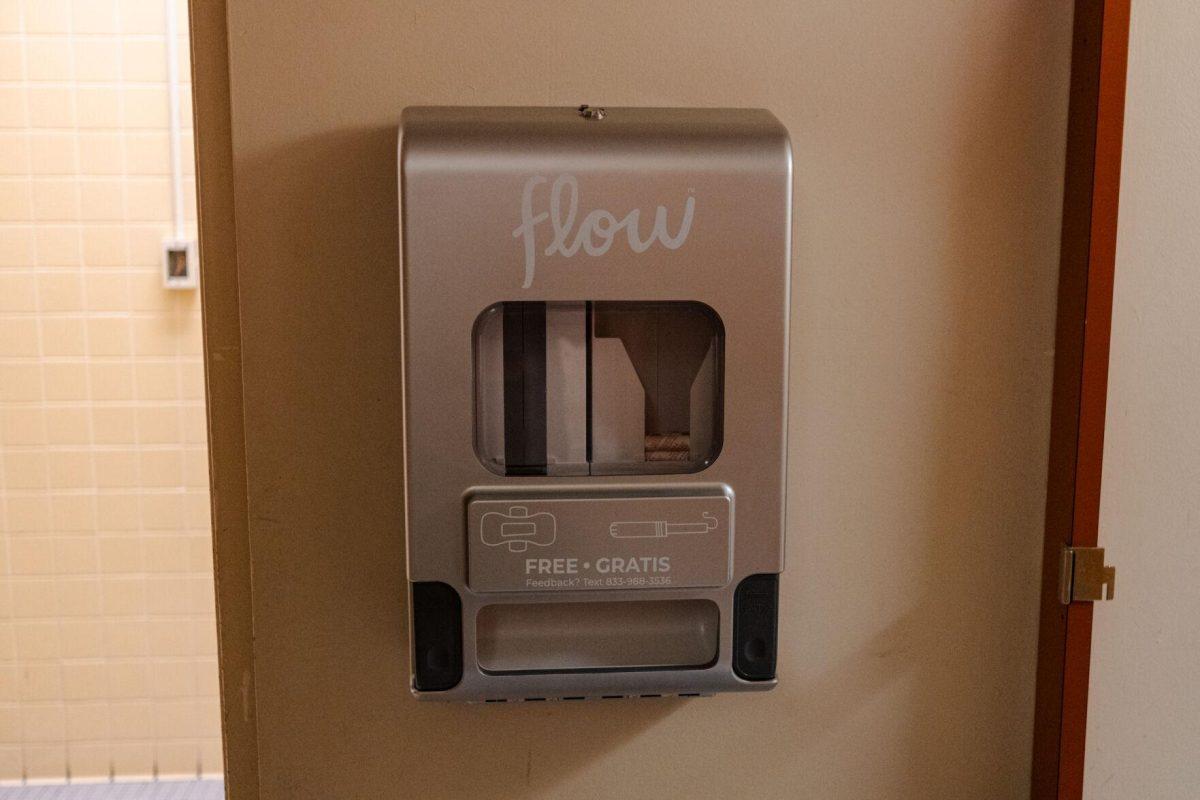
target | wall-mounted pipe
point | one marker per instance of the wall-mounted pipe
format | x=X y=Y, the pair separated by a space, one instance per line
x=174 y=124
x=179 y=253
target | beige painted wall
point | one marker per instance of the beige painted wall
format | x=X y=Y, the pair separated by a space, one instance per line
x=107 y=625
x=1144 y=708
x=929 y=149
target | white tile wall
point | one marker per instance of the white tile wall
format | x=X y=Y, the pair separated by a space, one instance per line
x=107 y=630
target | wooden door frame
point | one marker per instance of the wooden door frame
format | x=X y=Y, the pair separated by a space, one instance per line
x=1085 y=288
x=221 y=313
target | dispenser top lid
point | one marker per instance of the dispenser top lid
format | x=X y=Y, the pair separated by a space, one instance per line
x=493 y=128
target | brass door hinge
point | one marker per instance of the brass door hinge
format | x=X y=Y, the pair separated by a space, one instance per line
x=1084 y=576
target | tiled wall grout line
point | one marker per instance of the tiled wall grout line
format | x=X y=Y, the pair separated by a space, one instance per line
x=6 y=569
x=138 y=479
x=143 y=616
x=21 y=704
x=88 y=393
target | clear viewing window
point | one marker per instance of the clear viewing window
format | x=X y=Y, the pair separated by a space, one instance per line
x=598 y=388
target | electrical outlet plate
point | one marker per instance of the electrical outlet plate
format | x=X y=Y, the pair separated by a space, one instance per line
x=180 y=267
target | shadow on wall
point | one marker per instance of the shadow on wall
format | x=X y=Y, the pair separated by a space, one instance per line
x=325 y=482
x=994 y=426
x=957 y=637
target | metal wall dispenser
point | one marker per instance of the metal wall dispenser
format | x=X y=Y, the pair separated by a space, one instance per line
x=595 y=321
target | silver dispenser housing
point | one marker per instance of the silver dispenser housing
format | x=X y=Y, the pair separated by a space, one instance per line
x=595 y=318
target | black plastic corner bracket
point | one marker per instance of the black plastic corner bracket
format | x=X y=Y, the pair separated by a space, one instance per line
x=755 y=627
x=437 y=637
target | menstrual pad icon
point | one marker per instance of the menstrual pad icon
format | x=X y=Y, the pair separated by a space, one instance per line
x=518 y=529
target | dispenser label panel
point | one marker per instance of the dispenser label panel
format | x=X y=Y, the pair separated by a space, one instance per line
x=590 y=544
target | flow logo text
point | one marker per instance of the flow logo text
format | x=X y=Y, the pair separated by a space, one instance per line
x=596 y=232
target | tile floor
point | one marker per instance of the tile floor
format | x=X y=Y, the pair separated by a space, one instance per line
x=159 y=790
